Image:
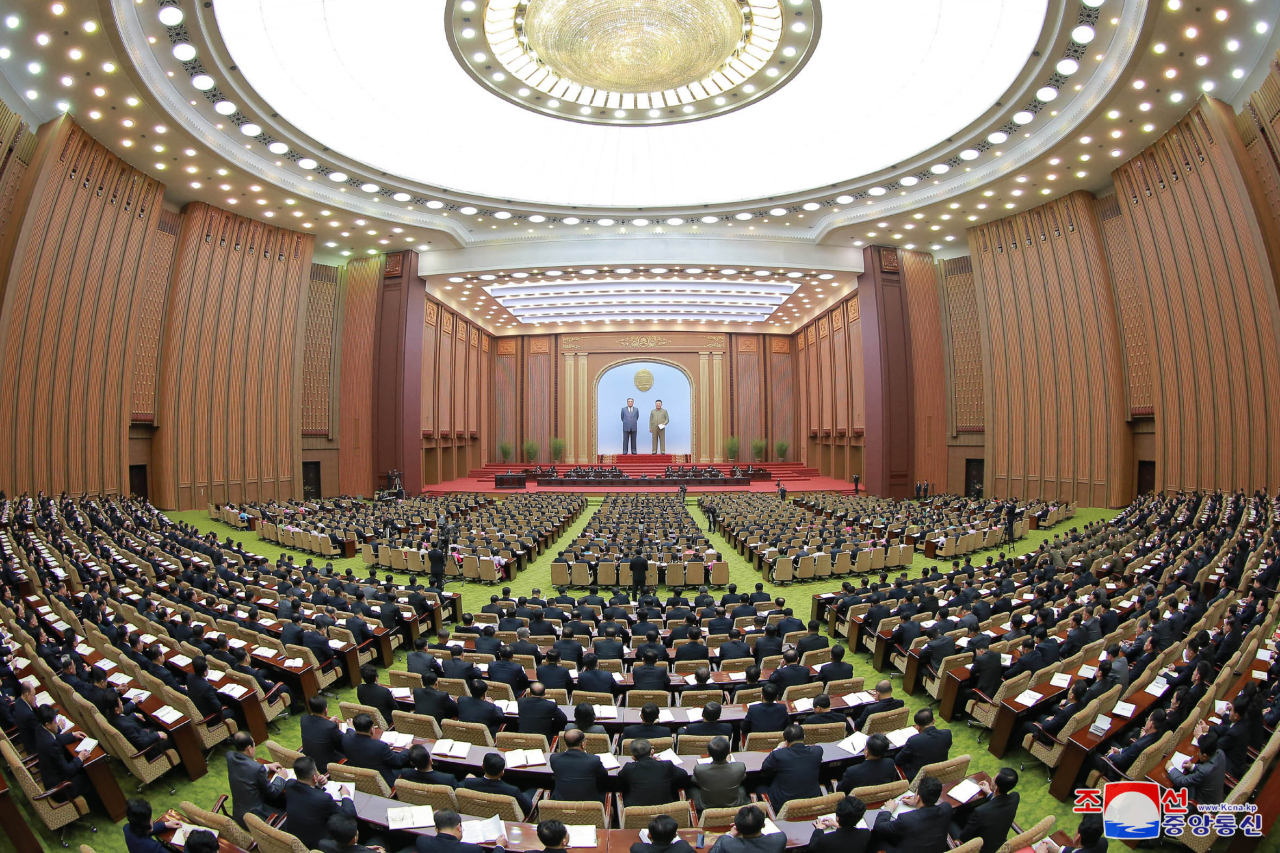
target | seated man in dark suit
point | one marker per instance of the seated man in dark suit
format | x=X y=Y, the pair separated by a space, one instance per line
x=419 y=660
x=321 y=736
x=139 y=734
x=363 y=750
x=649 y=781
x=923 y=830
x=373 y=694
x=837 y=669
x=813 y=640
x=491 y=783
x=875 y=770
x=55 y=765
x=308 y=805
x=662 y=837
x=1045 y=727
x=736 y=648
x=648 y=726
x=448 y=837
x=791 y=672
x=594 y=679
x=822 y=713
x=456 y=667
x=476 y=709
x=1091 y=838
x=984 y=673
x=579 y=775
x=769 y=715
x=650 y=676
x=695 y=649
x=928 y=745
x=432 y=702
x=841 y=835
x=885 y=701
x=990 y=816
x=793 y=771
x=538 y=714
x=506 y=671
x=344 y=837
x=205 y=696
x=418 y=769
x=709 y=725
x=768 y=645
x=552 y=675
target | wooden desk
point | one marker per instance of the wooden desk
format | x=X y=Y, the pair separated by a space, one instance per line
x=911 y=677
x=105 y=784
x=383 y=638
x=880 y=650
x=15 y=825
x=509 y=481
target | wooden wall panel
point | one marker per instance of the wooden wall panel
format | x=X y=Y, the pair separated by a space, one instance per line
x=784 y=397
x=459 y=382
x=73 y=262
x=229 y=403
x=1055 y=420
x=505 y=389
x=17 y=149
x=355 y=411
x=929 y=385
x=538 y=391
x=965 y=336
x=444 y=376
x=430 y=345
x=1125 y=279
x=318 y=350
x=154 y=290
x=1200 y=227
x=748 y=392
x=839 y=371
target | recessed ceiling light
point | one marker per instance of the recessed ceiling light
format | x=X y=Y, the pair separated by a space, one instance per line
x=1233 y=45
x=225 y=108
x=337 y=177
x=1261 y=27
x=184 y=52
x=307 y=163
x=998 y=138
x=203 y=82
x=1023 y=117
x=369 y=188
x=1082 y=34
x=250 y=129
x=1191 y=32
x=571 y=220
x=1046 y=94
x=170 y=16
x=12 y=22
x=606 y=222
x=909 y=181
x=278 y=148
x=710 y=219
x=675 y=220
x=744 y=216
x=90 y=26
x=402 y=196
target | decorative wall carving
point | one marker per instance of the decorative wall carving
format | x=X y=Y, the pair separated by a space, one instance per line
x=475 y=336
x=484 y=343
x=446 y=323
x=822 y=327
x=780 y=345
x=395 y=265
x=748 y=344
x=715 y=341
x=432 y=311
x=539 y=346
x=888 y=259
x=855 y=313
x=813 y=335
x=837 y=320
x=571 y=342
x=646 y=341
x=507 y=346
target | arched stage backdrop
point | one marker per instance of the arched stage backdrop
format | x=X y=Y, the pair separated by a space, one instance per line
x=670 y=385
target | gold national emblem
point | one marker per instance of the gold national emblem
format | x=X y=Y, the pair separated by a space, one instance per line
x=644 y=380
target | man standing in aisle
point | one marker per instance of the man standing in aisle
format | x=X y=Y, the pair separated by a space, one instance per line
x=658 y=420
x=630 y=423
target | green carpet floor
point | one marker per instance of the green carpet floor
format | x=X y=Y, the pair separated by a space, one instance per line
x=1033 y=787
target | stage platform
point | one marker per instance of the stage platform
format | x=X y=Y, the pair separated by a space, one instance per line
x=796 y=477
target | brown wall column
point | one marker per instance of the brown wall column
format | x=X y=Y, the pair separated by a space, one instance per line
x=397 y=373
x=889 y=447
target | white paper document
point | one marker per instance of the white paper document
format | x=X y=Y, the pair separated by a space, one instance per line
x=964 y=791
x=482 y=831
x=1061 y=679
x=668 y=755
x=335 y=790
x=582 y=836
x=1124 y=709
x=451 y=748
x=410 y=817
x=899 y=737
x=1028 y=697
x=854 y=744
x=525 y=758
x=180 y=834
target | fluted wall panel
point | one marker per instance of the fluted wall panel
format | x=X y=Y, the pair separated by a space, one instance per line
x=1125 y=278
x=152 y=295
x=538 y=425
x=929 y=385
x=506 y=389
x=1201 y=229
x=228 y=413
x=748 y=392
x=966 y=345
x=355 y=413
x=318 y=349
x=783 y=396
x=444 y=375
x=74 y=260
x=1056 y=406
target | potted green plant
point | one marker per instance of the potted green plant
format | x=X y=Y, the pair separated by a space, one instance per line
x=731 y=447
x=531 y=449
x=781 y=448
x=557 y=450
x=758 y=448
x=505 y=450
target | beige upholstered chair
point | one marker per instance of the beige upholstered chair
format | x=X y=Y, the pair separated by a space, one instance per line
x=575 y=812
x=52 y=814
x=270 y=839
x=419 y=794
x=476 y=734
x=220 y=822
x=951 y=770
x=810 y=807
x=638 y=817
x=481 y=804
x=418 y=725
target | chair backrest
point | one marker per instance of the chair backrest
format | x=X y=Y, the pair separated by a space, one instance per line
x=844 y=686
x=638 y=817
x=420 y=794
x=657 y=744
x=871 y=794
x=699 y=698
x=1029 y=837
x=640 y=698
x=574 y=812
x=580 y=696
x=762 y=741
x=418 y=725
x=717 y=818
x=351 y=710
x=886 y=721
x=365 y=780
x=594 y=743
x=801 y=691
x=223 y=824
x=399 y=678
x=483 y=804
x=476 y=734
x=824 y=732
x=270 y=839
x=809 y=807
x=951 y=770
x=521 y=740
x=281 y=755
x=692 y=744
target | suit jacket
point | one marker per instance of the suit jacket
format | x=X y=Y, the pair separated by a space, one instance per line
x=835 y=671
x=839 y=840
x=472 y=710
x=321 y=741
x=768 y=647
x=56 y=765
x=739 y=649
x=719 y=786
x=788 y=676
x=251 y=786
x=138 y=735
x=927 y=747
x=766 y=717
x=1233 y=741
x=510 y=673
x=443 y=843
x=693 y=651
x=630 y=419
x=991 y=821
x=422 y=663
x=459 y=668
x=434 y=703
x=985 y=673
x=597 y=681
x=205 y=696
x=377 y=696
x=309 y=809
x=677 y=845
x=555 y=676
x=795 y=770
x=1124 y=759
x=579 y=776
x=921 y=831
x=652 y=782
x=870 y=772
x=372 y=754
x=497 y=786
x=540 y=716
x=651 y=677
x=1205 y=782
x=891 y=704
